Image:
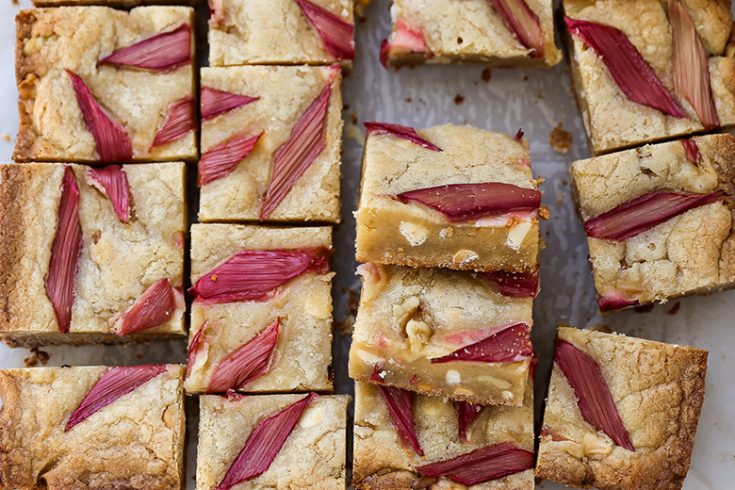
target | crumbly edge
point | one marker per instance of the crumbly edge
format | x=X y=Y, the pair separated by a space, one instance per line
x=26 y=89
x=12 y=233
x=30 y=340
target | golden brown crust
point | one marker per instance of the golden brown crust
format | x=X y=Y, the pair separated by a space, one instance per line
x=26 y=86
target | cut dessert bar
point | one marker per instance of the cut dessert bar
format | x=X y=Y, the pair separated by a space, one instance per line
x=280 y=32
x=449 y=196
x=621 y=412
x=111 y=3
x=403 y=440
x=651 y=70
x=271 y=143
x=91 y=254
x=261 y=316
x=658 y=219
x=442 y=332
x=500 y=32
x=97 y=84
x=90 y=428
x=272 y=441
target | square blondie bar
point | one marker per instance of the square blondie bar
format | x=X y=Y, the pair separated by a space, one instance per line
x=91 y=254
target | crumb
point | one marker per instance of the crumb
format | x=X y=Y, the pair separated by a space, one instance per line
x=15 y=2
x=6 y=136
x=346 y=107
x=643 y=308
x=139 y=356
x=564 y=182
x=459 y=99
x=408 y=100
x=525 y=78
x=37 y=357
x=674 y=309
x=560 y=200
x=353 y=132
x=519 y=134
x=486 y=75
x=353 y=118
x=560 y=140
x=544 y=212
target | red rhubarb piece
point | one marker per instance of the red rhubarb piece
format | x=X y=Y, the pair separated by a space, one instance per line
x=611 y=302
x=65 y=251
x=467 y=413
x=645 y=212
x=113 y=183
x=162 y=52
x=114 y=383
x=298 y=152
x=512 y=343
x=179 y=121
x=214 y=102
x=153 y=308
x=337 y=34
x=247 y=363
x=519 y=135
x=692 y=151
x=523 y=22
x=514 y=284
x=403 y=132
x=253 y=274
x=220 y=160
x=405 y=39
x=593 y=395
x=691 y=66
x=197 y=342
x=264 y=443
x=467 y=202
x=481 y=465
x=631 y=72
x=216 y=13
x=110 y=137
x=400 y=408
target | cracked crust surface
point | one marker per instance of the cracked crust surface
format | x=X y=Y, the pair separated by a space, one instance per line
x=614 y=122
x=658 y=389
x=269 y=32
x=391 y=232
x=52 y=40
x=142 y=432
x=302 y=355
x=285 y=92
x=313 y=456
x=470 y=30
x=408 y=316
x=117 y=263
x=693 y=252
x=382 y=461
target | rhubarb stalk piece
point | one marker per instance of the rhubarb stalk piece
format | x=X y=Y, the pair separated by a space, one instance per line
x=247 y=363
x=523 y=23
x=467 y=202
x=264 y=443
x=114 y=383
x=197 y=344
x=630 y=71
x=467 y=413
x=481 y=465
x=514 y=284
x=65 y=251
x=220 y=160
x=294 y=157
x=691 y=66
x=153 y=308
x=692 y=151
x=337 y=34
x=611 y=302
x=179 y=121
x=404 y=132
x=400 y=408
x=509 y=344
x=162 y=52
x=254 y=274
x=593 y=395
x=645 y=212
x=213 y=102
x=405 y=40
x=113 y=183
x=110 y=137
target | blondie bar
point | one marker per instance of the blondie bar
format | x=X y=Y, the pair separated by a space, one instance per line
x=97 y=84
x=658 y=219
x=271 y=143
x=91 y=254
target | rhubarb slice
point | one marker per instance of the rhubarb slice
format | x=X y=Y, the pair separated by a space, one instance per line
x=645 y=212
x=196 y=345
x=114 y=383
x=514 y=284
x=337 y=34
x=523 y=23
x=630 y=71
x=404 y=40
x=467 y=202
x=254 y=274
x=509 y=344
x=613 y=302
x=110 y=137
x=481 y=465
x=153 y=308
x=593 y=395
x=692 y=151
x=298 y=152
x=264 y=443
x=691 y=66
x=247 y=363
x=220 y=160
x=467 y=413
x=214 y=102
x=162 y=52
x=113 y=183
x=65 y=251
x=399 y=403
x=403 y=132
x=179 y=121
